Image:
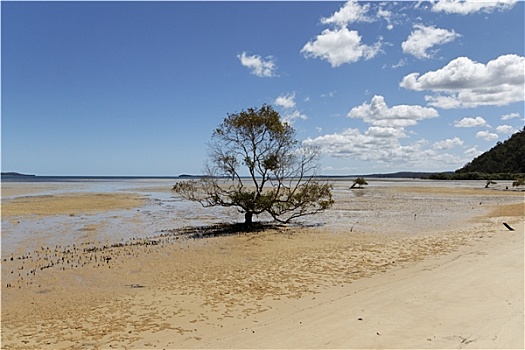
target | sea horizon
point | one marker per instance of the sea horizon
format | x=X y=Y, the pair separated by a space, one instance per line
x=20 y=177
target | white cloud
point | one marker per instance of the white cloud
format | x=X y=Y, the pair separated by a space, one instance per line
x=472 y=152
x=510 y=116
x=387 y=16
x=259 y=66
x=401 y=63
x=383 y=150
x=351 y=12
x=423 y=38
x=291 y=116
x=470 y=122
x=351 y=143
x=471 y=6
x=385 y=132
x=448 y=143
x=377 y=113
x=487 y=136
x=330 y=94
x=466 y=83
x=381 y=140
x=285 y=101
x=505 y=129
x=340 y=46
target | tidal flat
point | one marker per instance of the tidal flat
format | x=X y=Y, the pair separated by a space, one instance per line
x=100 y=264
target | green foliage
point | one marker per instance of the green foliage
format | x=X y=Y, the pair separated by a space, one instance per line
x=440 y=176
x=505 y=157
x=359 y=181
x=519 y=182
x=476 y=176
x=490 y=182
x=505 y=161
x=281 y=175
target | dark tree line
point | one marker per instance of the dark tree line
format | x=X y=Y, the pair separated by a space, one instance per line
x=505 y=157
x=504 y=161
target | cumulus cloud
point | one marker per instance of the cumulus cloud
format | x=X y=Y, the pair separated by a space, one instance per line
x=377 y=113
x=385 y=132
x=505 y=129
x=340 y=46
x=423 y=38
x=464 y=83
x=286 y=101
x=470 y=122
x=258 y=66
x=465 y=7
x=291 y=116
x=351 y=143
x=351 y=12
x=354 y=12
x=448 y=143
x=380 y=142
x=510 y=116
x=487 y=136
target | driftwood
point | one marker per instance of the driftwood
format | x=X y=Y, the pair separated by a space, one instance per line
x=507 y=226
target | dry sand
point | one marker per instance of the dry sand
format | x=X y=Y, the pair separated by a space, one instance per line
x=455 y=285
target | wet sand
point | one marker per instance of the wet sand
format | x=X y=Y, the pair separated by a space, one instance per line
x=69 y=204
x=373 y=275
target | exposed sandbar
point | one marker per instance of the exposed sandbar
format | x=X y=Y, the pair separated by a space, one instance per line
x=72 y=204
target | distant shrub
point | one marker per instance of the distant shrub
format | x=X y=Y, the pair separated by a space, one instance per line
x=519 y=182
x=359 y=181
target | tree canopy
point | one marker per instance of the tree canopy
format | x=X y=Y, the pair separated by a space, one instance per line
x=360 y=181
x=504 y=157
x=256 y=165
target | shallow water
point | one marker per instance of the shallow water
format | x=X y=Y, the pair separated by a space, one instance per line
x=381 y=207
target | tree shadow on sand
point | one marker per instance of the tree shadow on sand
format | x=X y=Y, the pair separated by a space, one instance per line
x=225 y=229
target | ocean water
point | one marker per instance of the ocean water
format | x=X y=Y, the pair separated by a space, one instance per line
x=374 y=209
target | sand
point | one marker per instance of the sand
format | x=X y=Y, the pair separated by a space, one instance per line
x=69 y=204
x=455 y=284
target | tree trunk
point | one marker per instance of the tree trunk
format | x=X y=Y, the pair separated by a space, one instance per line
x=248 y=216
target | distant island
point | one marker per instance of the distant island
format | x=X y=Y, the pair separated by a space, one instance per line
x=184 y=176
x=13 y=174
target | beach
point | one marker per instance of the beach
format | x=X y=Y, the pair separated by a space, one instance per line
x=394 y=265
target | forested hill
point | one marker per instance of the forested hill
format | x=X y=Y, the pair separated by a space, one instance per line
x=505 y=157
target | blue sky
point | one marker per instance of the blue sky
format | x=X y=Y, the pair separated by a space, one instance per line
x=136 y=88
